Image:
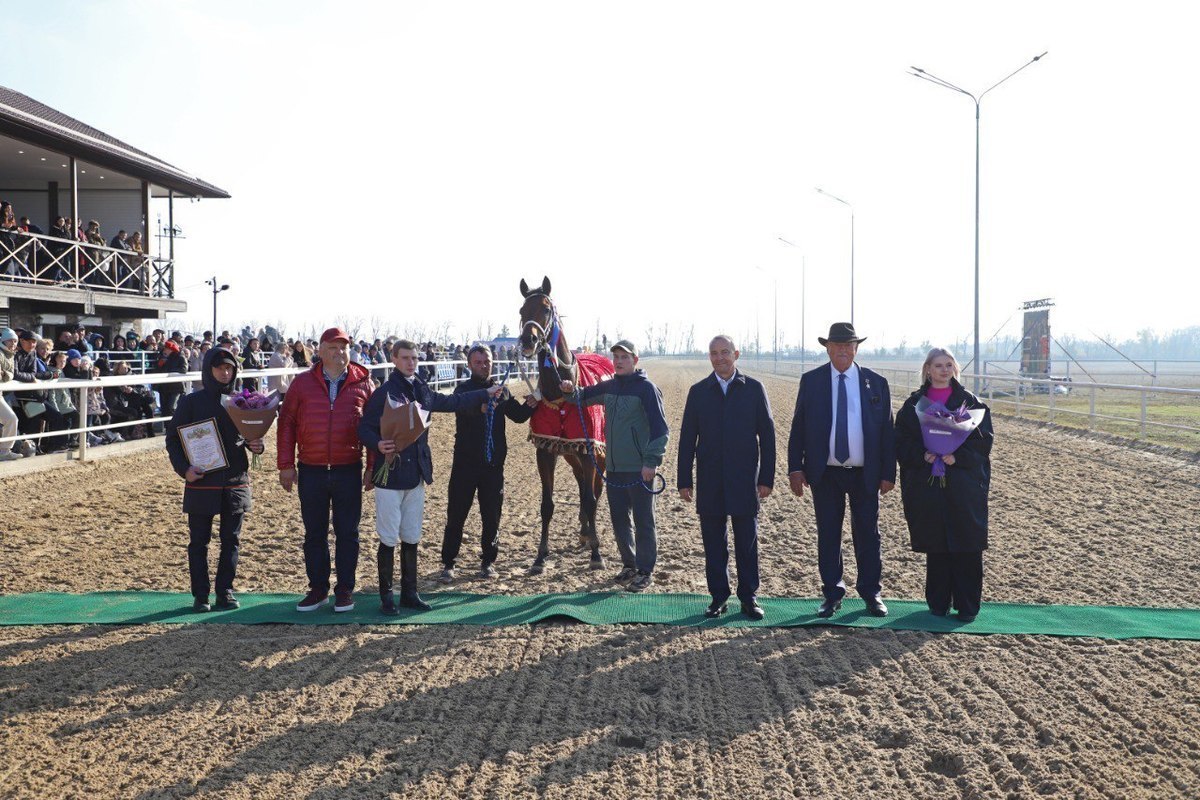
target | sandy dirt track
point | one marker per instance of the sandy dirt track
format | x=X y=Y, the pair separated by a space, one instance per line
x=568 y=711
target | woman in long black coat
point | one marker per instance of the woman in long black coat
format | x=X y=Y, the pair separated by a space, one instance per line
x=948 y=523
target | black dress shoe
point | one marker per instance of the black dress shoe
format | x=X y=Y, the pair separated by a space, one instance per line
x=828 y=607
x=753 y=610
x=226 y=602
x=875 y=607
x=966 y=617
x=938 y=612
x=715 y=609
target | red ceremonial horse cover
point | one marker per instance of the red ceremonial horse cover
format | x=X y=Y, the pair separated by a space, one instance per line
x=557 y=428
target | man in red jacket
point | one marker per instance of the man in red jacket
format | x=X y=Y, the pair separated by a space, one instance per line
x=320 y=417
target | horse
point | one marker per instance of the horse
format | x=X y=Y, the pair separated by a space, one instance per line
x=541 y=338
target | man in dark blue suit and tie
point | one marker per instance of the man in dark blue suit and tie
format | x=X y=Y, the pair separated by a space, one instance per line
x=842 y=446
x=728 y=432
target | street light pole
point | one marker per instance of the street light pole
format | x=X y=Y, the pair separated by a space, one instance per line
x=924 y=75
x=803 y=269
x=851 y=207
x=215 y=291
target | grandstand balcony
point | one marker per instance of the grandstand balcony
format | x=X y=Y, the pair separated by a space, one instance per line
x=52 y=165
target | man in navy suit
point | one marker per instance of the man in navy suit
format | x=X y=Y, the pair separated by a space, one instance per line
x=727 y=430
x=842 y=446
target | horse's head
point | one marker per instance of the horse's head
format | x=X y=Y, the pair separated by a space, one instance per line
x=537 y=318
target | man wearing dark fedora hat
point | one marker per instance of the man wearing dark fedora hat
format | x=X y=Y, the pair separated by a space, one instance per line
x=842 y=447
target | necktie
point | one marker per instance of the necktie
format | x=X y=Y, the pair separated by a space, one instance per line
x=841 y=436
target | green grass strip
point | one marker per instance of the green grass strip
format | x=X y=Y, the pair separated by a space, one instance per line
x=457 y=608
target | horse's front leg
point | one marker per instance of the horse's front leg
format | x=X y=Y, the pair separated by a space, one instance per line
x=584 y=476
x=545 y=465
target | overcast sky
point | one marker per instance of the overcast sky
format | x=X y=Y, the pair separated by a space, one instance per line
x=415 y=160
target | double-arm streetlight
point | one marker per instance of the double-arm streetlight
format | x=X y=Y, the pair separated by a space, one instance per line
x=924 y=75
x=216 y=289
x=851 y=207
x=803 y=265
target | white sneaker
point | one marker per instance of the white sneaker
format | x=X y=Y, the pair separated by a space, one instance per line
x=95 y=441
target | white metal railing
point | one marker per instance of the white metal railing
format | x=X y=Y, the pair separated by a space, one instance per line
x=139 y=361
x=43 y=260
x=447 y=373
x=1019 y=395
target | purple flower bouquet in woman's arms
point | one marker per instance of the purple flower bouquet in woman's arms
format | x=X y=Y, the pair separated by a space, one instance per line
x=252 y=413
x=943 y=431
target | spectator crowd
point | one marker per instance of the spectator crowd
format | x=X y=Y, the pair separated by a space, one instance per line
x=44 y=412
x=24 y=257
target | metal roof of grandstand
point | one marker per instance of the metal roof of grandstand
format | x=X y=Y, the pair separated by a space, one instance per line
x=24 y=118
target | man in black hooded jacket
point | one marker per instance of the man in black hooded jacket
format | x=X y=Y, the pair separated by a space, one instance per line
x=223 y=492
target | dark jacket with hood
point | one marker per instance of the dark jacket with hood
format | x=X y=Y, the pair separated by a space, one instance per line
x=204 y=495
x=414 y=463
x=953 y=518
x=635 y=425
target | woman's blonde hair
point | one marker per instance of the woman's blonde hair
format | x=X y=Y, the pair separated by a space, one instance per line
x=934 y=353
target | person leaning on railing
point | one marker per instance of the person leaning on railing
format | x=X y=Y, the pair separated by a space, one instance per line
x=170 y=361
x=128 y=403
x=61 y=272
x=253 y=358
x=33 y=412
x=59 y=400
x=280 y=359
x=137 y=260
x=8 y=417
x=9 y=263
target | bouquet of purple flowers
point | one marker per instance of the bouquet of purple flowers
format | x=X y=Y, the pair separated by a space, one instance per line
x=943 y=431
x=252 y=413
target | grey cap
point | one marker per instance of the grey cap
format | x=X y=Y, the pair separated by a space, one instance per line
x=627 y=346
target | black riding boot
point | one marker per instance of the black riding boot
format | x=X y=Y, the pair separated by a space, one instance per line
x=386 y=556
x=408 y=578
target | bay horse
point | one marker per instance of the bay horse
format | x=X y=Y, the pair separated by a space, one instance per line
x=542 y=339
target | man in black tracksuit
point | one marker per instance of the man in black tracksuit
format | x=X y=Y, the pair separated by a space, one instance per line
x=472 y=472
x=222 y=492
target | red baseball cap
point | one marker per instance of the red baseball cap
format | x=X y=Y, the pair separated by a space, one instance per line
x=333 y=334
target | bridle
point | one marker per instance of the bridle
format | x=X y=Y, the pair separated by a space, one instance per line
x=542 y=340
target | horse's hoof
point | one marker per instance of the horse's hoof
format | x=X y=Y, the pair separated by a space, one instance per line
x=537 y=569
x=597 y=563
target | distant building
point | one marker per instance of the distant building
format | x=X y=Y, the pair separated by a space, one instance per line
x=54 y=166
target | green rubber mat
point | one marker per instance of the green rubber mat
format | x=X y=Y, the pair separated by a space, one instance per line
x=140 y=608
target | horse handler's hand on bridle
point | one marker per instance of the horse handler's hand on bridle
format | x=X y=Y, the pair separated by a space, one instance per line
x=567 y=387
x=685 y=493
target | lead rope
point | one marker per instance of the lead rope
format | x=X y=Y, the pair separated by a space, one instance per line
x=489 y=446
x=658 y=476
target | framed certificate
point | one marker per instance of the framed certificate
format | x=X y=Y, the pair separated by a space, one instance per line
x=203 y=446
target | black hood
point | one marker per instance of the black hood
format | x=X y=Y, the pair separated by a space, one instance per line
x=210 y=383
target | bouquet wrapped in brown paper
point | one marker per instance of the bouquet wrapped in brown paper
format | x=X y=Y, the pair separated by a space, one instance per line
x=252 y=413
x=403 y=423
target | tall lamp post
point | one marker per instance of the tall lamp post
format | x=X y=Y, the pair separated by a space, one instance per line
x=917 y=72
x=851 y=207
x=803 y=269
x=216 y=289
